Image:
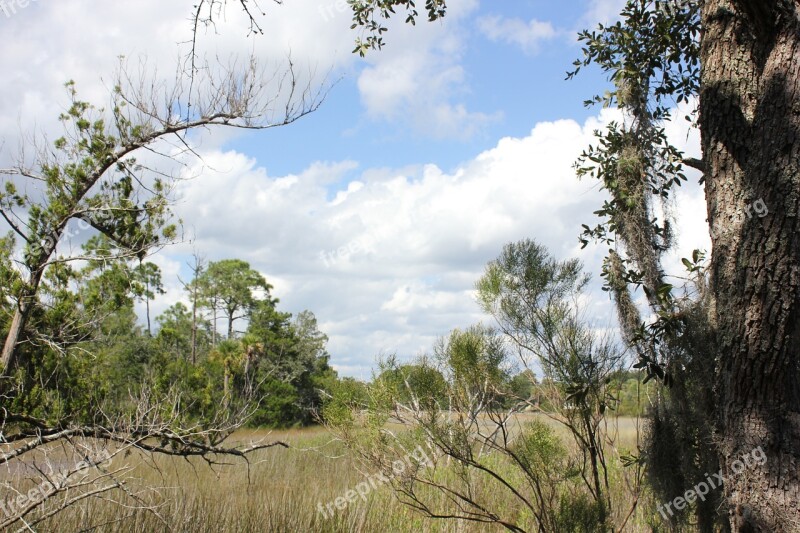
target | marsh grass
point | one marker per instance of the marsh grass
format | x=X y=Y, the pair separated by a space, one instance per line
x=280 y=490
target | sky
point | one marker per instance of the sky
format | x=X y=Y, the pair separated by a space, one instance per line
x=379 y=211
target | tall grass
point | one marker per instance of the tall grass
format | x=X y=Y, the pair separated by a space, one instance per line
x=280 y=490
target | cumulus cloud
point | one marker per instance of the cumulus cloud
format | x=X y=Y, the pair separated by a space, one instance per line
x=48 y=43
x=388 y=259
x=418 y=81
x=689 y=205
x=418 y=78
x=527 y=35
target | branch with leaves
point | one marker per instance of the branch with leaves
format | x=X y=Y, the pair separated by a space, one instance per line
x=93 y=173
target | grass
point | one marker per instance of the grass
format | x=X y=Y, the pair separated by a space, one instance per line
x=281 y=490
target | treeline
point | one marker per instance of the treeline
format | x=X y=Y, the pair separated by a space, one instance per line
x=517 y=391
x=88 y=355
x=87 y=352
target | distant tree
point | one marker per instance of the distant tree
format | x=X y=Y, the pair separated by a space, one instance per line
x=231 y=286
x=290 y=353
x=230 y=354
x=147 y=283
x=176 y=332
x=273 y=329
x=193 y=288
x=522 y=389
x=475 y=361
x=415 y=383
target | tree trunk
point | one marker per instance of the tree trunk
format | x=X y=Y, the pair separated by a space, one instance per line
x=194 y=324
x=197 y=269
x=214 y=328
x=7 y=358
x=194 y=330
x=750 y=124
x=226 y=384
x=18 y=323
x=147 y=309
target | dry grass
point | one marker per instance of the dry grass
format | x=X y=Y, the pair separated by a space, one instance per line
x=279 y=491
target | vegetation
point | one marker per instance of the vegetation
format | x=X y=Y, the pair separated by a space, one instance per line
x=511 y=426
x=75 y=362
x=279 y=492
x=462 y=404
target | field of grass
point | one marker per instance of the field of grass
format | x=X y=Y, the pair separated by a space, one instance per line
x=281 y=490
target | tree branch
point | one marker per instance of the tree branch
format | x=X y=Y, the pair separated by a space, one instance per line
x=696 y=164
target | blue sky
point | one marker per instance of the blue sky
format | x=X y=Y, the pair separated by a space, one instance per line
x=513 y=85
x=379 y=211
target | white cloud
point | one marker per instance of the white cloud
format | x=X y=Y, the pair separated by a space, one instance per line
x=689 y=205
x=48 y=43
x=527 y=35
x=388 y=262
x=602 y=12
x=417 y=79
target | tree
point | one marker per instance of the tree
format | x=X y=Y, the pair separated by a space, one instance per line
x=141 y=281
x=742 y=92
x=290 y=355
x=461 y=404
x=473 y=460
x=147 y=284
x=750 y=120
x=181 y=334
x=193 y=288
x=533 y=297
x=230 y=285
x=231 y=355
x=413 y=382
x=92 y=177
x=523 y=388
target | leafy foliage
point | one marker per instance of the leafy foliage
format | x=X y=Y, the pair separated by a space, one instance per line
x=371 y=15
x=652 y=57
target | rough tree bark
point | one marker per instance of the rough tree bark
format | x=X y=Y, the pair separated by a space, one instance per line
x=750 y=124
